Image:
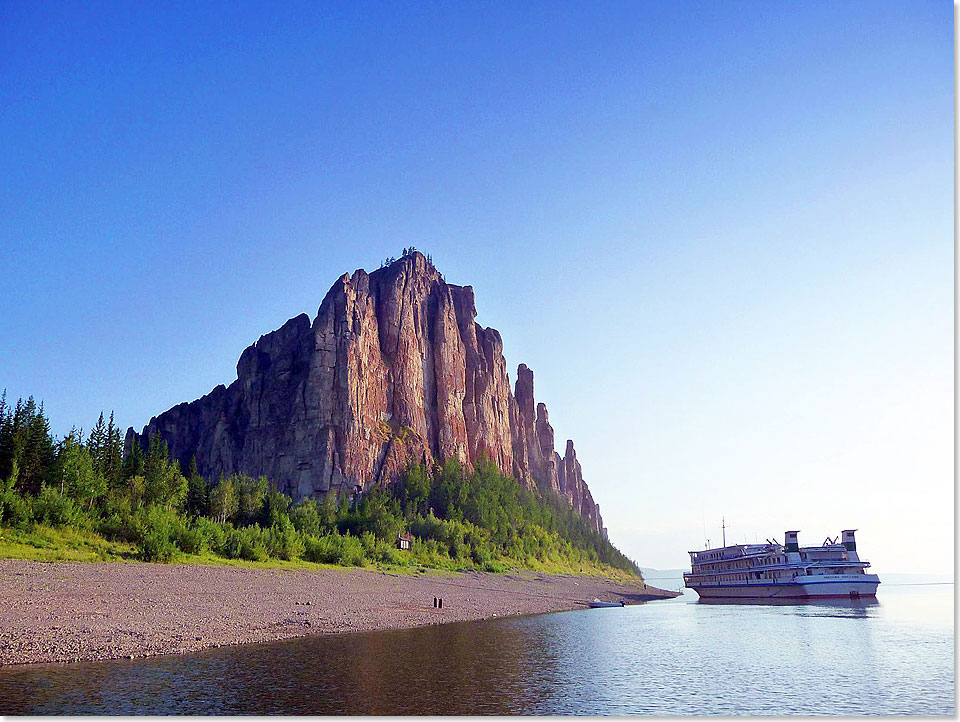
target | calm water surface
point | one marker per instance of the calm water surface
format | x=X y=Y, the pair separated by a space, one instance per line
x=668 y=657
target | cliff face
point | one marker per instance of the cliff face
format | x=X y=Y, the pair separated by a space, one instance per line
x=393 y=370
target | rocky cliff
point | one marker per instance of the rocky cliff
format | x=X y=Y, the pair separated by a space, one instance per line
x=393 y=370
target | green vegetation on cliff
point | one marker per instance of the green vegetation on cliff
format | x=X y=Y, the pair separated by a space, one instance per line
x=82 y=498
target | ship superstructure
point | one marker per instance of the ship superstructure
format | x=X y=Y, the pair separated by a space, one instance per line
x=783 y=571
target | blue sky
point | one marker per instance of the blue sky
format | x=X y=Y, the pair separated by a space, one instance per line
x=720 y=234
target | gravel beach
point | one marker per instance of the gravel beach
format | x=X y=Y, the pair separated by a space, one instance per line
x=69 y=611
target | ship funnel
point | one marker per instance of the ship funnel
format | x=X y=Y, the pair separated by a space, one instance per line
x=790 y=541
x=849 y=543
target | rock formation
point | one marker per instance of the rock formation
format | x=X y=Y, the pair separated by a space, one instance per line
x=393 y=370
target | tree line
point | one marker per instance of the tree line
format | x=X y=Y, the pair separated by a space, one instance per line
x=459 y=518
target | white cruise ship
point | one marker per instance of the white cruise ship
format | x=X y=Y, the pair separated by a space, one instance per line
x=782 y=571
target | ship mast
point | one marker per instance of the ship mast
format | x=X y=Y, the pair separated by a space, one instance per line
x=723 y=525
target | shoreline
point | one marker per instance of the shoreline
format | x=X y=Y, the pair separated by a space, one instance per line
x=81 y=611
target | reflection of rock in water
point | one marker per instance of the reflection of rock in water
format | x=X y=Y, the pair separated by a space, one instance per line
x=469 y=668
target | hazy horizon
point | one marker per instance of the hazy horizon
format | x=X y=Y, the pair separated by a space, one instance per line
x=721 y=236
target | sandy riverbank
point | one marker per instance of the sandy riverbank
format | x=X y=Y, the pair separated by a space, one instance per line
x=68 y=611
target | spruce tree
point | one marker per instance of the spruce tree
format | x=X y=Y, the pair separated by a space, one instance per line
x=97 y=443
x=113 y=454
x=133 y=462
x=6 y=437
x=198 y=495
x=37 y=453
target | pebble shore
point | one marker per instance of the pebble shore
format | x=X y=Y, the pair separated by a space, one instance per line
x=74 y=611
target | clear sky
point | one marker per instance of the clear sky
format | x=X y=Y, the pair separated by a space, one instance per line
x=720 y=233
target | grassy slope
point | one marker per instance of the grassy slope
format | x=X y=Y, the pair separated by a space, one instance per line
x=49 y=544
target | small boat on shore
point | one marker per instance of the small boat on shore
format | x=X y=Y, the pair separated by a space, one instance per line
x=596 y=603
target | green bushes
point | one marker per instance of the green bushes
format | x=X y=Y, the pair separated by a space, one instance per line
x=280 y=541
x=156 y=530
x=449 y=536
x=214 y=535
x=188 y=538
x=335 y=548
x=16 y=510
x=283 y=540
x=156 y=546
x=351 y=552
x=481 y=557
x=319 y=550
x=52 y=508
x=429 y=553
x=248 y=543
x=117 y=519
x=306 y=518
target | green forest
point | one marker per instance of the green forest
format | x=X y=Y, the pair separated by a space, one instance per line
x=84 y=492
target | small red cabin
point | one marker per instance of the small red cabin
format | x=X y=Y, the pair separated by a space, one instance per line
x=404 y=540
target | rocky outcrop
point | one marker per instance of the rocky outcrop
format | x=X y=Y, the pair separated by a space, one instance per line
x=572 y=485
x=533 y=436
x=393 y=370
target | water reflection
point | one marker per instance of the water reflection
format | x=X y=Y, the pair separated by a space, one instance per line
x=660 y=658
x=839 y=608
x=449 y=668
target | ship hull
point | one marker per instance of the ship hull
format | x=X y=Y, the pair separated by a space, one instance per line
x=810 y=590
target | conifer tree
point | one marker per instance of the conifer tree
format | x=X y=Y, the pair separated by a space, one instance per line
x=113 y=454
x=34 y=450
x=165 y=485
x=198 y=495
x=133 y=462
x=6 y=437
x=97 y=442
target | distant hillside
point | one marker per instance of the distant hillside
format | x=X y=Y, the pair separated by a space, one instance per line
x=663 y=578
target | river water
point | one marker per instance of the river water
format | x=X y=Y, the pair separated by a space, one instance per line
x=894 y=656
